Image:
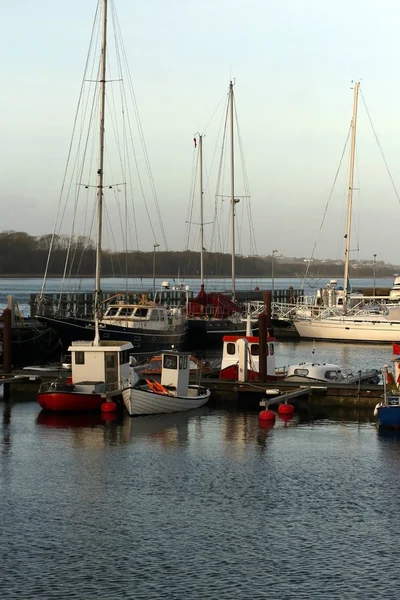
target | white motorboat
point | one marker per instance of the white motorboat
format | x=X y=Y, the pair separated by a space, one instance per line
x=321 y=372
x=173 y=394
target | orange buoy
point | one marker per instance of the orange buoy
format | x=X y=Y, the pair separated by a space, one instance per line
x=109 y=406
x=285 y=409
x=267 y=415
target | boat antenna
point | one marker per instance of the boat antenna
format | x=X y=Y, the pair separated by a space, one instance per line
x=350 y=197
x=102 y=81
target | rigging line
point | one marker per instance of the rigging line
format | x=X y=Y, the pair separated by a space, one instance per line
x=69 y=153
x=140 y=128
x=140 y=180
x=77 y=193
x=326 y=207
x=221 y=170
x=246 y=184
x=189 y=214
x=379 y=146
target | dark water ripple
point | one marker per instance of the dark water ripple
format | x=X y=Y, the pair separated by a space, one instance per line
x=205 y=505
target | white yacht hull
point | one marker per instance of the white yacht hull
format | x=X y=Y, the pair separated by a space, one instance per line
x=139 y=401
x=349 y=329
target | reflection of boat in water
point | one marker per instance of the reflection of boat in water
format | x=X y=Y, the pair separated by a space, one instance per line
x=167 y=428
x=74 y=420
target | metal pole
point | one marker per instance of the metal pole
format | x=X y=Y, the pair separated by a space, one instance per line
x=232 y=189
x=154 y=269
x=97 y=292
x=201 y=212
x=350 y=197
x=272 y=274
x=374 y=275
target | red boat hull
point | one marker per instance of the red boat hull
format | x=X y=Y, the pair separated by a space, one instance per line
x=69 y=401
x=231 y=373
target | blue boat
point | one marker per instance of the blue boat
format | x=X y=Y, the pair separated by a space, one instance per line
x=388 y=411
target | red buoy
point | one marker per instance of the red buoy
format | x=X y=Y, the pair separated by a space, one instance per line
x=109 y=406
x=267 y=415
x=285 y=409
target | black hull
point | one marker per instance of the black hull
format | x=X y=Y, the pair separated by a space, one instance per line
x=209 y=333
x=74 y=329
x=33 y=344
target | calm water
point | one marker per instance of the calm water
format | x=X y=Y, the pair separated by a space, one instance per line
x=202 y=505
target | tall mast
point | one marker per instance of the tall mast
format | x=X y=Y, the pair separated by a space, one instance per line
x=201 y=212
x=100 y=173
x=231 y=107
x=350 y=196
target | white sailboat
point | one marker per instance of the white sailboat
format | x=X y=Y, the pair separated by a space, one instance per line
x=100 y=369
x=360 y=324
x=211 y=316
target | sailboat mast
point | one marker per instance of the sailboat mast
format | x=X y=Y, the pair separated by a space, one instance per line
x=100 y=172
x=350 y=196
x=201 y=212
x=231 y=107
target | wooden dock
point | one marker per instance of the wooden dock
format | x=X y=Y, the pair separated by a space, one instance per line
x=230 y=392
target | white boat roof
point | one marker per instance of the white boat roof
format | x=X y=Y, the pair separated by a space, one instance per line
x=103 y=346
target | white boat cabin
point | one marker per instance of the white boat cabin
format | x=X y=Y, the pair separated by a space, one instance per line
x=394 y=293
x=175 y=372
x=153 y=316
x=100 y=368
x=239 y=350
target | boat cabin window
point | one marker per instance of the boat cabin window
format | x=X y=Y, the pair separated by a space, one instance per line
x=302 y=372
x=124 y=357
x=254 y=349
x=110 y=360
x=125 y=312
x=156 y=315
x=340 y=301
x=111 y=312
x=170 y=362
x=331 y=375
x=231 y=348
x=271 y=349
x=393 y=400
x=183 y=361
x=141 y=312
x=79 y=358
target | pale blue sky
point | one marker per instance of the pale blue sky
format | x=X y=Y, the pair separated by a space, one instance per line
x=293 y=61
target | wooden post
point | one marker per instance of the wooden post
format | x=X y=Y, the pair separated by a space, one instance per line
x=7 y=362
x=268 y=309
x=262 y=345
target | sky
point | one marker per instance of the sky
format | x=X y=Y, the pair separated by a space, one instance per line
x=293 y=62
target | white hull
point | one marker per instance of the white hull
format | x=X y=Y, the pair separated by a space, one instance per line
x=139 y=401
x=349 y=329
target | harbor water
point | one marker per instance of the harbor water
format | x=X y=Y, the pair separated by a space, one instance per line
x=207 y=504
x=201 y=505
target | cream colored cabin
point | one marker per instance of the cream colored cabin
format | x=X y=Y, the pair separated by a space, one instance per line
x=102 y=367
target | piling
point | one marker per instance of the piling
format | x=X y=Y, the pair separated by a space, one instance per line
x=262 y=345
x=7 y=358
